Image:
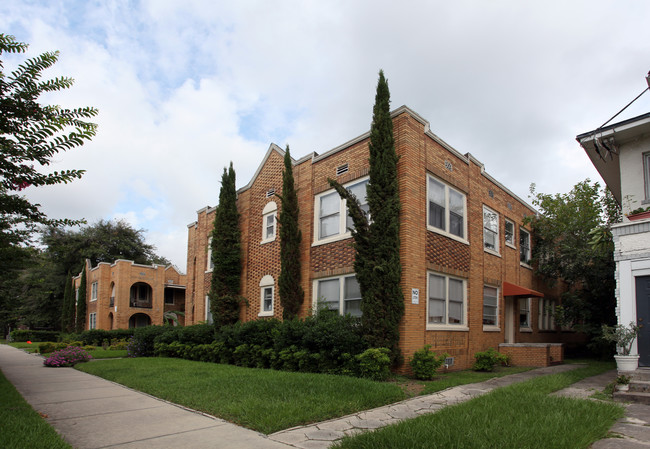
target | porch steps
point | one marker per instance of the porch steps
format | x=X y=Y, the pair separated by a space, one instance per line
x=639 y=391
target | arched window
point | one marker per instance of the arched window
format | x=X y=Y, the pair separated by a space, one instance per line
x=267 y=294
x=141 y=294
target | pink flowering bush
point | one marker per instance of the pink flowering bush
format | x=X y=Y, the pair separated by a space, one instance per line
x=69 y=356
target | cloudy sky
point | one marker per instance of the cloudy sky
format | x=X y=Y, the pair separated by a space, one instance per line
x=185 y=87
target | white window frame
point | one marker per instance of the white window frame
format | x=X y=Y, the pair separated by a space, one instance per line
x=92 y=320
x=93 y=291
x=270 y=212
x=342 y=214
x=495 y=325
x=446 y=325
x=208 y=262
x=524 y=308
x=208 y=315
x=511 y=242
x=341 y=290
x=489 y=231
x=546 y=321
x=523 y=248
x=267 y=283
x=646 y=174
x=445 y=231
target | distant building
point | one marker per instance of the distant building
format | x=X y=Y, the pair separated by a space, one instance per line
x=124 y=294
x=621 y=154
x=465 y=250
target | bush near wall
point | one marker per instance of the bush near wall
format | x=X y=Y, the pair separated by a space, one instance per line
x=21 y=335
x=326 y=343
x=96 y=337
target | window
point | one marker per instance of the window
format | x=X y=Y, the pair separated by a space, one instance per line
x=341 y=294
x=524 y=312
x=509 y=233
x=93 y=291
x=646 y=174
x=546 y=309
x=490 y=230
x=332 y=217
x=490 y=306
x=208 y=311
x=524 y=246
x=446 y=303
x=269 y=220
x=208 y=262
x=266 y=296
x=92 y=321
x=169 y=296
x=446 y=211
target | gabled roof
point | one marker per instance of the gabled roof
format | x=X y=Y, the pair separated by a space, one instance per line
x=602 y=146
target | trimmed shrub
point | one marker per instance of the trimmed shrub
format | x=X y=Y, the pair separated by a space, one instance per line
x=96 y=337
x=22 y=335
x=374 y=363
x=487 y=360
x=69 y=356
x=142 y=343
x=118 y=345
x=425 y=363
x=46 y=347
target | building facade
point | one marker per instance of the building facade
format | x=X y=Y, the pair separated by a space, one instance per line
x=465 y=249
x=621 y=154
x=123 y=294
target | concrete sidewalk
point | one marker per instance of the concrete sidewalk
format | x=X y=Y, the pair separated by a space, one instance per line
x=90 y=412
x=95 y=413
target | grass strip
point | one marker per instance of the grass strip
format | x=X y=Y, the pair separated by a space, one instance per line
x=21 y=427
x=456 y=378
x=521 y=415
x=263 y=400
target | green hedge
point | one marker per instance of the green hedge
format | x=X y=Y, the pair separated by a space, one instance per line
x=96 y=337
x=20 y=335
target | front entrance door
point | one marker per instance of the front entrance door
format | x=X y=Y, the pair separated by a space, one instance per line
x=642 y=284
x=510 y=318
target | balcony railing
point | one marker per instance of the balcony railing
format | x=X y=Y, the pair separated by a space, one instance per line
x=141 y=303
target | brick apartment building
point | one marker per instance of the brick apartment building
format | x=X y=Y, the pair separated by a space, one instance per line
x=464 y=248
x=124 y=294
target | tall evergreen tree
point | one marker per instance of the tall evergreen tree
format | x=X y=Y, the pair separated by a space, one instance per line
x=291 y=293
x=68 y=305
x=226 y=255
x=81 y=302
x=376 y=238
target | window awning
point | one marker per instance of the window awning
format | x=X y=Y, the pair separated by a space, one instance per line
x=516 y=290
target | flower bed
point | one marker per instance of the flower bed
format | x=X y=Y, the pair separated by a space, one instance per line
x=69 y=356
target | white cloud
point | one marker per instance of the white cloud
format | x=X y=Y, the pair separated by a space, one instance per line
x=183 y=88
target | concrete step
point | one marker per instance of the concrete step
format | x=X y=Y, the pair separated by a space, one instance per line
x=632 y=396
x=640 y=386
x=641 y=374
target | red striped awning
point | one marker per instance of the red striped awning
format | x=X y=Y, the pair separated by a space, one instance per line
x=516 y=290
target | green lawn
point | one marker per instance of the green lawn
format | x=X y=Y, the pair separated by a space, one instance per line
x=21 y=427
x=448 y=380
x=519 y=416
x=263 y=400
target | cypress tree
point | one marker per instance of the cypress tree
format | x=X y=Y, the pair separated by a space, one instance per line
x=81 y=302
x=291 y=293
x=226 y=255
x=68 y=299
x=376 y=240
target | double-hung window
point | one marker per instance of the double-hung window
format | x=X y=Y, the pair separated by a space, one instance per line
x=446 y=209
x=546 y=308
x=509 y=233
x=490 y=306
x=93 y=291
x=524 y=246
x=208 y=263
x=269 y=222
x=267 y=291
x=92 y=321
x=490 y=230
x=208 y=310
x=446 y=301
x=332 y=217
x=341 y=294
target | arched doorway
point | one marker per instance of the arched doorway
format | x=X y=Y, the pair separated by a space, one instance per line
x=141 y=294
x=139 y=320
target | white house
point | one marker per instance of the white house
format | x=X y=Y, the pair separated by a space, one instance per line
x=621 y=154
